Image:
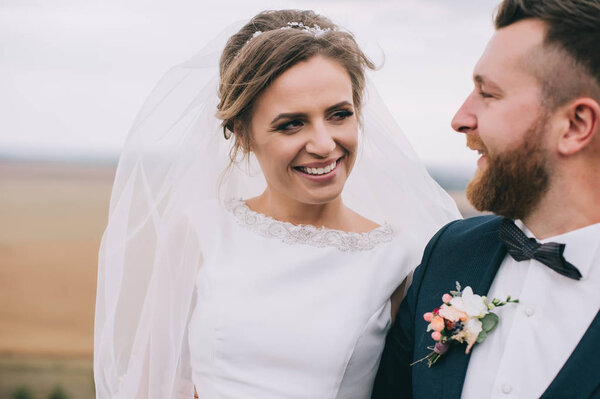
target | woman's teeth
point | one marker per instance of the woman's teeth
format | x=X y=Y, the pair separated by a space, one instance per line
x=318 y=171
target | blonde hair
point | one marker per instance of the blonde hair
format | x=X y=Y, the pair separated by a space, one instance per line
x=267 y=46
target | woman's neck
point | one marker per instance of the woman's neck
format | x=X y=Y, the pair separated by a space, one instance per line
x=283 y=208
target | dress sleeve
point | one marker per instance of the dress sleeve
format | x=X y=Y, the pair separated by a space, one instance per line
x=394 y=377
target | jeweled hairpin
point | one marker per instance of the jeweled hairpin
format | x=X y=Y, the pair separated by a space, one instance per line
x=315 y=29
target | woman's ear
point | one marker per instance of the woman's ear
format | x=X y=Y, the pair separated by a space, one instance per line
x=583 y=115
x=242 y=135
x=236 y=126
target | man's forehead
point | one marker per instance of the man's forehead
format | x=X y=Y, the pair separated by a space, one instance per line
x=508 y=48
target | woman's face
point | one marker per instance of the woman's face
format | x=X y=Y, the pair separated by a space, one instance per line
x=305 y=131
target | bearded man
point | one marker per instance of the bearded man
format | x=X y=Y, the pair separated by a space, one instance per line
x=534 y=116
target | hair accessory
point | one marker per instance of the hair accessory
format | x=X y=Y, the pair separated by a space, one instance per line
x=255 y=34
x=315 y=29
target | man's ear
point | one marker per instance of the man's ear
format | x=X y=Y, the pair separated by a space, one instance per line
x=583 y=115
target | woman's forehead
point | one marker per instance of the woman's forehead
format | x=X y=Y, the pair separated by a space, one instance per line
x=315 y=83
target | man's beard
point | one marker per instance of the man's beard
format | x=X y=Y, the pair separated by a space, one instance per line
x=513 y=182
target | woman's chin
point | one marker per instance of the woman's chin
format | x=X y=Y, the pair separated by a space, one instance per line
x=320 y=196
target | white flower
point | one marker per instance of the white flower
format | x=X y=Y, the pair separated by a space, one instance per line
x=473 y=305
x=473 y=326
x=469 y=333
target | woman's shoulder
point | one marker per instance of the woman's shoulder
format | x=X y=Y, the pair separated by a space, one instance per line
x=206 y=215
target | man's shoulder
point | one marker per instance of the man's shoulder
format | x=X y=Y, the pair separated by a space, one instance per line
x=469 y=228
x=464 y=235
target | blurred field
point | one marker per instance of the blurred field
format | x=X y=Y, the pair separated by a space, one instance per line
x=51 y=220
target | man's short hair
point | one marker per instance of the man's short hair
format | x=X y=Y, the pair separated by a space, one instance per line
x=568 y=64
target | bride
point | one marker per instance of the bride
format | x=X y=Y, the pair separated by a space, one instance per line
x=234 y=267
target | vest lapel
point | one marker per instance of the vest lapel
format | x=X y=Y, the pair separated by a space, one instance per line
x=579 y=376
x=447 y=376
x=481 y=284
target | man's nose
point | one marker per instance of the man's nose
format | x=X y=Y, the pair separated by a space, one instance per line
x=464 y=120
x=321 y=142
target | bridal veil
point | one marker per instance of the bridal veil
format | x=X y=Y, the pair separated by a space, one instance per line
x=174 y=159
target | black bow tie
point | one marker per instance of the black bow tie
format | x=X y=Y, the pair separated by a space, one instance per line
x=521 y=247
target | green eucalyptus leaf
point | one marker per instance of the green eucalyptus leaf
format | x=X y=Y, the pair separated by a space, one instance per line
x=489 y=322
x=481 y=337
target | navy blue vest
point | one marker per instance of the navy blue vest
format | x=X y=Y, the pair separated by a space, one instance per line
x=467 y=251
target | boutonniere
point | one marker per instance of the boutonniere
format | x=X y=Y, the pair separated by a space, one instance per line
x=463 y=318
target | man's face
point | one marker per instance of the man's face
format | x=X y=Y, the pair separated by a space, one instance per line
x=504 y=121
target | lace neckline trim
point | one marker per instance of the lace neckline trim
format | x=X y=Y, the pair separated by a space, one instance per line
x=290 y=233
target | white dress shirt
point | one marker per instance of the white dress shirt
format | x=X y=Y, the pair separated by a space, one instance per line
x=535 y=337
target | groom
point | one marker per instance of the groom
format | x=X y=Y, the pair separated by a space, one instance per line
x=534 y=116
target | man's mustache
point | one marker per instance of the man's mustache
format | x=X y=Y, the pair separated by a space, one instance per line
x=475 y=143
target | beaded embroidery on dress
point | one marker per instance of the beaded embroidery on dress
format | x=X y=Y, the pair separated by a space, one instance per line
x=306 y=234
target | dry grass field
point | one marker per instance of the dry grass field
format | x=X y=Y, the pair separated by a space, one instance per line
x=51 y=220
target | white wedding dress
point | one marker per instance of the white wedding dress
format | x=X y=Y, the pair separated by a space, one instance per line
x=285 y=311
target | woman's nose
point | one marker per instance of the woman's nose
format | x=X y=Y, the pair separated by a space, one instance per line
x=321 y=142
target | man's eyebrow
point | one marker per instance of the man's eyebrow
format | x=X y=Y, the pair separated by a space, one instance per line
x=297 y=115
x=483 y=81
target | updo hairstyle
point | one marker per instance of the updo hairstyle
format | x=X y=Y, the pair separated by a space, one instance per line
x=267 y=46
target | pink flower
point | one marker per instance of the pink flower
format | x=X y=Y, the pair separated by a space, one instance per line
x=428 y=316
x=437 y=323
x=436 y=335
x=446 y=298
x=452 y=313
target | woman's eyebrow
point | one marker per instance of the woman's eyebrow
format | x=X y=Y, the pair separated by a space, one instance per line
x=295 y=115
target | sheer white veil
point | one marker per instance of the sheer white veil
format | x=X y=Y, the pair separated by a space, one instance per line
x=173 y=161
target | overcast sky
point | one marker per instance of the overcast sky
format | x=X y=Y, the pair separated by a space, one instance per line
x=73 y=73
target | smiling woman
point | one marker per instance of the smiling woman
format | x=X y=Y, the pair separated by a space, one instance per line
x=261 y=283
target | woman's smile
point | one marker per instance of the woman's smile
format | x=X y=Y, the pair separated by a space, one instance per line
x=319 y=171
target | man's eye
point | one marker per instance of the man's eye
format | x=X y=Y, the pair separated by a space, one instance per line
x=291 y=125
x=340 y=115
x=485 y=94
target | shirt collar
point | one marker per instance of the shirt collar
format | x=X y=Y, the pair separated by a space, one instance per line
x=581 y=245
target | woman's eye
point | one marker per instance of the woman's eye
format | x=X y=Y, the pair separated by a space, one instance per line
x=291 y=125
x=340 y=115
x=484 y=94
